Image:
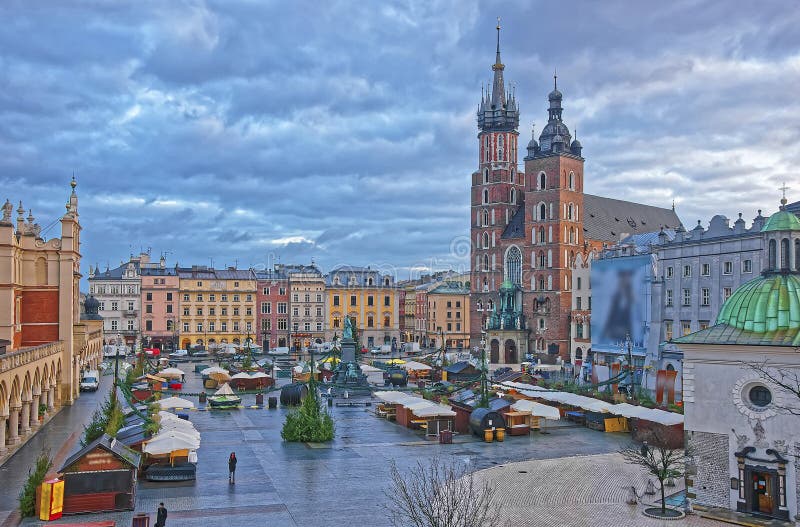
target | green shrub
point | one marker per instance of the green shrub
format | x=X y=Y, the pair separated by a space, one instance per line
x=309 y=423
x=115 y=420
x=27 y=496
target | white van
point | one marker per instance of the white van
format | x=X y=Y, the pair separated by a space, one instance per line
x=90 y=381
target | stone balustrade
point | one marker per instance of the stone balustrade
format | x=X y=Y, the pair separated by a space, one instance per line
x=18 y=358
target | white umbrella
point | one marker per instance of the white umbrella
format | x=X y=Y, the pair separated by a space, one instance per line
x=174 y=402
x=170 y=441
x=171 y=373
x=259 y=375
x=214 y=369
x=187 y=429
x=241 y=375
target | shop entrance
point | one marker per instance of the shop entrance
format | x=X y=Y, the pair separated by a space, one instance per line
x=762 y=487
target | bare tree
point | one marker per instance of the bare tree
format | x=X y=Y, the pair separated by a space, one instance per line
x=438 y=494
x=660 y=461
x=784 y=378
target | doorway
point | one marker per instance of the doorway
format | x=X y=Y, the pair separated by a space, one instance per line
x=494 y=354
x=762 y=489
x=510 y=352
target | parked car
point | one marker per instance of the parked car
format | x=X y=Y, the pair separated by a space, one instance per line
x=179 y=354
x=281 y=350
x=90 y=381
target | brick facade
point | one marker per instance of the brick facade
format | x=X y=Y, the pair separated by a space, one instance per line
x=711 y=481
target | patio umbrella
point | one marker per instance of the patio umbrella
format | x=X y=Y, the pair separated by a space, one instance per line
x=241 y=375
x=395 y=361
x=259 y=375
x=175 y=402
x=213 y=369
x=171 y=373
x=217 y=373
x=170 y=441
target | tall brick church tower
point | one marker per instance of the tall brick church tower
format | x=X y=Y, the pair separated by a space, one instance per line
x=526 y=229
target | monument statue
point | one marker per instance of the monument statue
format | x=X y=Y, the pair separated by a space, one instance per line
x=347 y=333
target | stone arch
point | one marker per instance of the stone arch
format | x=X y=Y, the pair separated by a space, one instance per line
x=5 y=402
x=494 y=351
x=36 y=383
x=25 y=392
x=15 y=394
x=578 y=353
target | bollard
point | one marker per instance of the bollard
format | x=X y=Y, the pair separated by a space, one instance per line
x=272 y=402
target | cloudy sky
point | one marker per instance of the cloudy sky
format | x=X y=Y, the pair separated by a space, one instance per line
x=249 y=131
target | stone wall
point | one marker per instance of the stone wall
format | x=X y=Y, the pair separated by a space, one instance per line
x=711 y=481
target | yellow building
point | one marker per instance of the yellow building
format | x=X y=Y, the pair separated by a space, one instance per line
x=448 y=314
x=369 y=298
x=217 y=306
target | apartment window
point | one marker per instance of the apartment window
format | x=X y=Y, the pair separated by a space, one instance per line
x=212 y=311
x=705 y=297
x=236 y=311
x=248 y=298
x=578 y=303
x=248 y=327
x=186 y=297
x=295 y=311
x=224 y=298
x=212 y=297
x=686 y=327
x=149 y=297
x=307 y=298
x=458 y=303
x=114 y=306
x=307 y=311
x=370 y=322
x=282 y=291
x=199 y=311
x=726 y=293
x=579 y=330
x=170 y=325
x=223 y=326
x=669 y=272
x=336 y=322
x=211 y=326
x=236 y=284
x=266 y=308
x=449 y=314
x=130 y=305
x=224 y=311
x=102 y=306
x=687 y=270
x=352 y=300
x=578 y=283
x=703 y=324
x=248 y=311
x=199 y=297
x=747 y=266
x=114 y=326
x=669 y=297
x=186 y=327
x=449 y=304
x=307 y=326
x=236 y=298
x=282 y=324
x=169 y=308
x=668 y=330
x=727 y=268
x=169 y=297
x=236 y=326
x=199 y=327
x=265 y=291
x=295 y=326
x=319 y=326
x=687 y=297
x=148 y=308
x=370 y=300
x=335 y=300
x=319 y=298
x=282 y=308
x=319 y=311
x=199 y=284
x=449 y=326
x=589 y=299
x=705 y=269
x=458 y=326
x=186 y=311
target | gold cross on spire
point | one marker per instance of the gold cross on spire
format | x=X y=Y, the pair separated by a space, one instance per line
x=783 y=189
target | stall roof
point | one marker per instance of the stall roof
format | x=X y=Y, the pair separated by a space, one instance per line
x=110 y=444
x=435 y=410
x=537 y=409
x=416 y=366
x=648 y=414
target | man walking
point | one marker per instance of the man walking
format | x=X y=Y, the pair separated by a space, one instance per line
x=161 y=515
x=232 y=468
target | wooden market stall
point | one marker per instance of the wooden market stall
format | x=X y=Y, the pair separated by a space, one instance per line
x=100 y=477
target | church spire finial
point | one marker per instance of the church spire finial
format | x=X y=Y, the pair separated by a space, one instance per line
x=497 y=60
x=555 y=78
x=783 y=189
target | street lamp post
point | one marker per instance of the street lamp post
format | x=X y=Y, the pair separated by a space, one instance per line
x=631 y=369
x=484 y=386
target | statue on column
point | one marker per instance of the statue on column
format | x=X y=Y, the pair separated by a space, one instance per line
x=347 y=332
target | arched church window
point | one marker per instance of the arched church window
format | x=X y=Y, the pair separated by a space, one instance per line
x=485 y=262
x=542 y=260
x=512 y=197
x=772 y=256
x=541 y=235
x=541 y=283
x=542 y=212
x=572 y=181
x=485 y=176
x=499 y=147
x=485 y=240
x=785 y=253
x=486 y=196
x=549 y=283
x=542 y=181
x=514 y=265
x=513 y=176
x=569 y=211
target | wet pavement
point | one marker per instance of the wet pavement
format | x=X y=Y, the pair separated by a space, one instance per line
x=343 y=482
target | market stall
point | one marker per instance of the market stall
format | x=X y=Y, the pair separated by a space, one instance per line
x=100 y=477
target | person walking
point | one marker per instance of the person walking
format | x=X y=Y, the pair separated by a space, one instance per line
x=232 y=468
x=161 y=515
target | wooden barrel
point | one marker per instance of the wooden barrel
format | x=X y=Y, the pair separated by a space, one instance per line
x=500 y=434
x=488 y=435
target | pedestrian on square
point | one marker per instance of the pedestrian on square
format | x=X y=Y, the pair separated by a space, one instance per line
x=232 y=468
x=161 y=515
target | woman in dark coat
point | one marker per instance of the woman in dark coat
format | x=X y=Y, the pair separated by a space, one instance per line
x=161 y=516
x=232 y=468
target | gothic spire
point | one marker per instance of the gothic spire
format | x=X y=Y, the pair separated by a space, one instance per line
x=498 y=88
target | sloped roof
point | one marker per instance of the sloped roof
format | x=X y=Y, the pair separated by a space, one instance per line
x=723 y=334
x=109 y=444
x=605 y=219
x=516 y=227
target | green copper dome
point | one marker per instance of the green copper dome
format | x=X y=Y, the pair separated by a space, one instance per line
x=767 y=303
x=783 y=220
x=507 y=284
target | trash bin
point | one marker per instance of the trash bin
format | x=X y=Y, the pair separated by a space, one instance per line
x=260 y=399
x=203 y=397
x=141 y=520
x=445 y=437
x=272 y=402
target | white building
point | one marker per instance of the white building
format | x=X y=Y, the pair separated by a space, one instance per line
x=118 y=291
x=743 y=442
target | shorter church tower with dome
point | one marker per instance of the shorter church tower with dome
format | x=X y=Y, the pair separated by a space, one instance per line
x=741 y=384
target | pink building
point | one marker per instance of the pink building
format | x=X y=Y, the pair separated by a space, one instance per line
x=272 y=305
x=160 y=306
